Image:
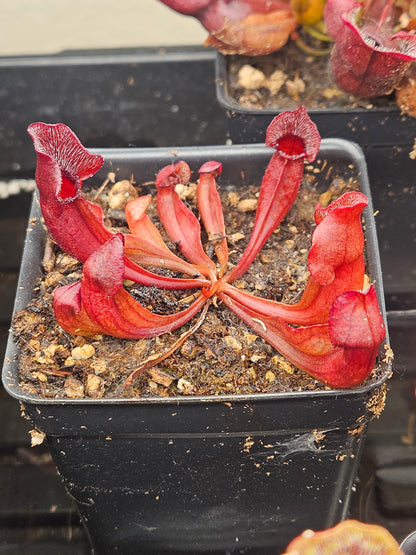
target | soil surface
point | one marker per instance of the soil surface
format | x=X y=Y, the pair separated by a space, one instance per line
x=289 y=78
x=223 y=357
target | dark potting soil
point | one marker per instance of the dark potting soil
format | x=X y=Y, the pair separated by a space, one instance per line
x=287 y=79
x=224 y=356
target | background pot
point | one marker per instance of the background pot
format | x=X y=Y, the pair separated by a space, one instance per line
x=368 y=126
x=142 y=97
x=236 y=473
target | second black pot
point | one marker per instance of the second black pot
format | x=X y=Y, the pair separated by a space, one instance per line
x=370 y=126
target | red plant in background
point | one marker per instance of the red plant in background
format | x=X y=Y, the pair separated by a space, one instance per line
x=368 y=58
x=350 y=536
x=333 y=332
x=251 y=27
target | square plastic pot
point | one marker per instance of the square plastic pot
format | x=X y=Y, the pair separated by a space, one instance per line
x=229 y=474
x=369 y=127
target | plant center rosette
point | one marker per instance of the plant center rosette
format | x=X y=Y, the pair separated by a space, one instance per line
x=333 y=332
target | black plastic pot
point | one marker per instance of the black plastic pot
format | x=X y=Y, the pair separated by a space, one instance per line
x=375 y=126
x=231 y=474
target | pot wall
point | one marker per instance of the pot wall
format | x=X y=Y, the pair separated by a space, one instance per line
x=208 y=491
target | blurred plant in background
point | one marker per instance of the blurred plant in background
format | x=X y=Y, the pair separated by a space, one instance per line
x=372 y=43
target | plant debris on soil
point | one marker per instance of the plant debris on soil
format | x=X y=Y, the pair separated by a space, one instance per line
x=287 y=79
x=224 y=356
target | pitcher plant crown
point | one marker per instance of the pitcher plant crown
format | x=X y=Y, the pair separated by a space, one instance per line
x=333 y=332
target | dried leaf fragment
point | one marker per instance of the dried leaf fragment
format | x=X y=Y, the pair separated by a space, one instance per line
x=255 y=35
x=161 y=377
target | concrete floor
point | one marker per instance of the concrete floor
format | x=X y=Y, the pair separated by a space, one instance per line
x=29 y=27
